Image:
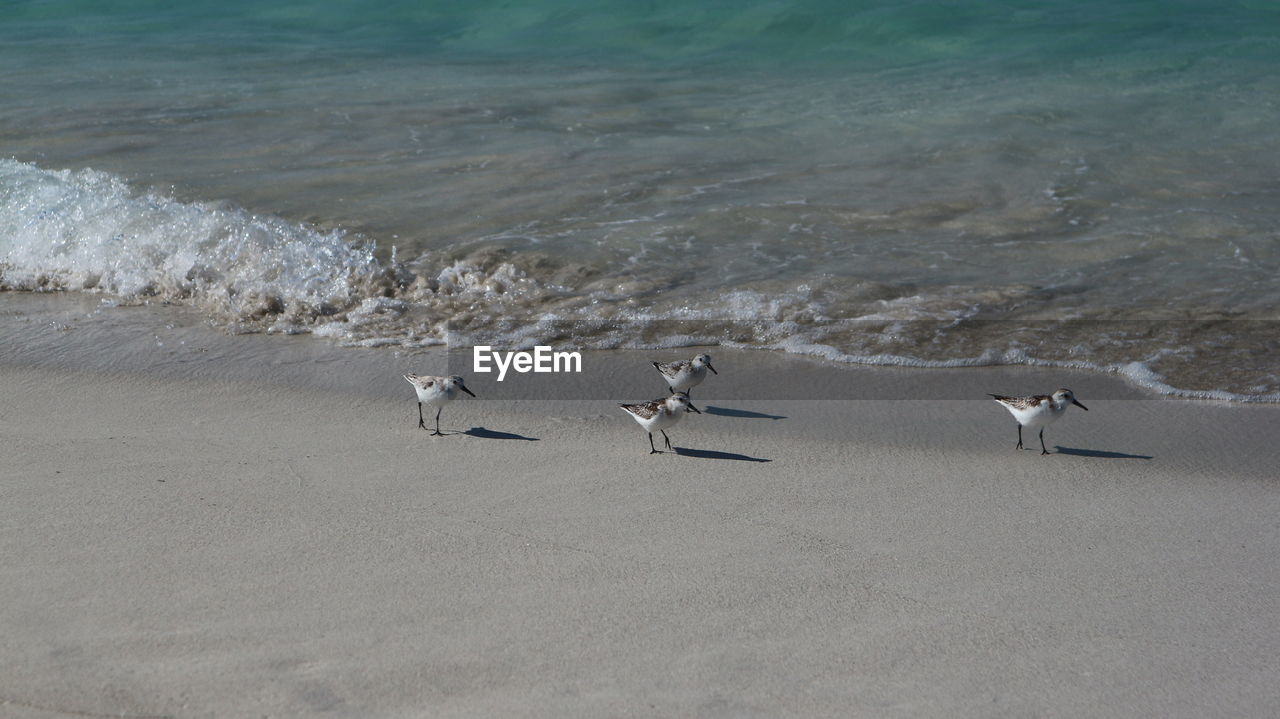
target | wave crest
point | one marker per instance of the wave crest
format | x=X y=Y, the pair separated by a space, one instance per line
x=89 y=230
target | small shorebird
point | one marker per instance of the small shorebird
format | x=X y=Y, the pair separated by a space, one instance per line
x=660 y=414
x=435 y=392
x=1038 y=411
x=684 y=375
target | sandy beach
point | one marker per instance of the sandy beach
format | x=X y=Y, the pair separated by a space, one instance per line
x=180 y=546
x=229 y=230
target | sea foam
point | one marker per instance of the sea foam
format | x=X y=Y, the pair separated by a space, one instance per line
x=90 y=230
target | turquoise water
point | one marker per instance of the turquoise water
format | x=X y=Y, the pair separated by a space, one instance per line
x=850 y=35
x=905 y=183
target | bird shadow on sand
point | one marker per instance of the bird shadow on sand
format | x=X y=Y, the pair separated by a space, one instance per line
x=484 y=433
x=713 y=454
x=1097 y=453
x=743 y=413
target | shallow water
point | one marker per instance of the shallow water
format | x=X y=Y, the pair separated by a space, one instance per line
x=1090 y=186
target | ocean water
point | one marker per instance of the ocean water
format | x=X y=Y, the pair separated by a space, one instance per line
x=1090 y=185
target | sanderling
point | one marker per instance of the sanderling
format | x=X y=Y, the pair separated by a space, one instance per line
x=684 y=375
x=660 y=414
x=1038 y=411
x=435 y=392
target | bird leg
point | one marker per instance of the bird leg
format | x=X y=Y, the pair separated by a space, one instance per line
x=664 y=436
x=421 y=422
x=438 y=433
x=652 y=449
x=1019 y=437
x=1042 y=449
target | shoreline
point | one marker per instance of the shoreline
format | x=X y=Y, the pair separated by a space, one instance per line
x=76 y=332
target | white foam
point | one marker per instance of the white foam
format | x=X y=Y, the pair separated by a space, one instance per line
x=1143 y=376
x=89 y=230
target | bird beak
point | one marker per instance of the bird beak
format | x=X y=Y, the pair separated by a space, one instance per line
x=694 y=409
x=464 y=389
x=713 y=369
x=1079 y=405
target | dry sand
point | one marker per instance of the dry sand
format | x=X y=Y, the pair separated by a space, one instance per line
x=176 y=545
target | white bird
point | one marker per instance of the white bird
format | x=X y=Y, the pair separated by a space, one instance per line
x=1038 y=411
x=435 y=392
x=660 y=414
x=684 y=375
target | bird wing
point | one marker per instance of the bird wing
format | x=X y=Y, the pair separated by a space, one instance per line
x=671 y=369
x=643 y=410
x=1021 y=402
